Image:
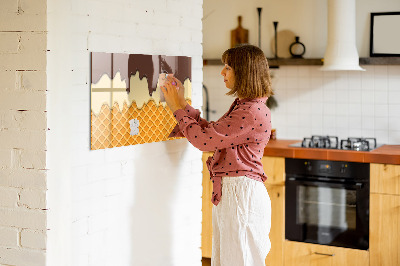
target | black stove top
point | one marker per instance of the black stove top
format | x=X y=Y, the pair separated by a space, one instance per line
x=332 y=142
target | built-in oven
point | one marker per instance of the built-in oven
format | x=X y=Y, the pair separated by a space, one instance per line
x=327 y=202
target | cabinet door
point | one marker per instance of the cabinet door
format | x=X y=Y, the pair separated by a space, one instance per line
x=385 y=178
x=277 y=233
x=274 y=168
x=384 y=230
x=304 y=254
x=206 y=226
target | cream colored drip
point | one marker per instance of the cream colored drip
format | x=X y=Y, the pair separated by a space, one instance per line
x=139 y=92
x=104 y=82
x=117 y=82
x=98 y=99
x=120 y=98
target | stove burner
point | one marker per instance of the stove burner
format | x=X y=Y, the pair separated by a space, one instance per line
x=328 y=142
x=358 y=144
x=332 y=142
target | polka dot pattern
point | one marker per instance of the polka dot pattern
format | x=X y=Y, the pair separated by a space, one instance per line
x=238 y=139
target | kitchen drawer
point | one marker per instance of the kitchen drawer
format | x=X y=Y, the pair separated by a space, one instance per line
x=305 y=254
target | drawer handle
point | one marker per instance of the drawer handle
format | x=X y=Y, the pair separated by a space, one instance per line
x=324 y=254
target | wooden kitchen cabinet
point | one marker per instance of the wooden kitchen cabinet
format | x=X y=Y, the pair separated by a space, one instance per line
x=274 y=168
x=385 y=215
x=385 y=178
x=206 y=225
x=384 y=236
x=277 y=233
x=305 y=254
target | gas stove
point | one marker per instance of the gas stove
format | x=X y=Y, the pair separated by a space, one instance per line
x=332 y=142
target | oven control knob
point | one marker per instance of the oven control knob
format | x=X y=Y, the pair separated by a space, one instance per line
x=308 y=166
x=343 y=168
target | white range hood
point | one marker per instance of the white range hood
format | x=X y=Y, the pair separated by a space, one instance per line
x=341 y=51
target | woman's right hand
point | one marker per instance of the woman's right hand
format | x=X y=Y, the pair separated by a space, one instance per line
x=181 y=90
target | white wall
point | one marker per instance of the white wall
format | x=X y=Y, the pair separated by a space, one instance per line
x=23 y=133
x=135 y=205
x=311 y=102
x=306 y=19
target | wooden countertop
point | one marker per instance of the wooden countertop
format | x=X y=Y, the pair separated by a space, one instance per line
x=389 y=154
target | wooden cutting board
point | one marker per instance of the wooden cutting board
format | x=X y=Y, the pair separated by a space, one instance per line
x=239 y=35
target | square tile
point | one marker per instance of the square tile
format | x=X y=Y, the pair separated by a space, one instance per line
x=381 y=97
x=394 y=137
x=394 y=110
x=381 y=110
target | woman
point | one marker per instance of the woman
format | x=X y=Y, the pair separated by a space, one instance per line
x=242 y=208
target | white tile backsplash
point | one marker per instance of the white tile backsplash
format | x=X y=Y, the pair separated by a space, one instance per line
x=381 y=96
x=394 y=123
x=381 y=110
x=380 y=71
x=394 y=110
x=343 y=103
x=394 y=97
x=367 y=96
x=381 y=83
x=394 y=83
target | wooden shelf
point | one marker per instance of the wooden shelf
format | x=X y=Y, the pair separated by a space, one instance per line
x=380 y=61
x=274 y=63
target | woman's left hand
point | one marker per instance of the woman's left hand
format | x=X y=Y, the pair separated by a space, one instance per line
x=171 y=95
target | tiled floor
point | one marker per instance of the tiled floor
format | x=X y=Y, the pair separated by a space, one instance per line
x=206 y=261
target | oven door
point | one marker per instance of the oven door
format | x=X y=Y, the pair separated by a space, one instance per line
x=327 y=213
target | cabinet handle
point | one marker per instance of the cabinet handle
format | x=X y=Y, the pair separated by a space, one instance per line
x=324 y=254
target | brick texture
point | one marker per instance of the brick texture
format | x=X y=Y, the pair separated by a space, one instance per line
x=23 y=126
x=126 y=189
x=9 y=237
x=33 y=239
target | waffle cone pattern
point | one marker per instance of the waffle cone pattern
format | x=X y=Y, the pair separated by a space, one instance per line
x=111 y=128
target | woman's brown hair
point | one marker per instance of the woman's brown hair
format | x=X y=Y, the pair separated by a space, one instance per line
x=250 y=66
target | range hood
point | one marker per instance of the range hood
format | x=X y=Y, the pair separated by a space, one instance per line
x=341 y=51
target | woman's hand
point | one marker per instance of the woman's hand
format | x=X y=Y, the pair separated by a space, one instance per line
x=181 y=90
x=173 y=94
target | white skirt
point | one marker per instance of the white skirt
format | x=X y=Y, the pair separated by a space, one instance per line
x=241 y=223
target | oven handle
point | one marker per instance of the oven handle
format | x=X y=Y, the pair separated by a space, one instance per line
x=357 y=185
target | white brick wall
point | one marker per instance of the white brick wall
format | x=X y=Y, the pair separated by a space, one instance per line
x=135 y=205
x=33 y=239
x=23 y=132
x=9 y=237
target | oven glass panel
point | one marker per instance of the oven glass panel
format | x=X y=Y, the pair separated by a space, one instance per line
x=326 y=207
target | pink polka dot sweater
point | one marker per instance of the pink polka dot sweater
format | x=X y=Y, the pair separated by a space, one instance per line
x=238 y=139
